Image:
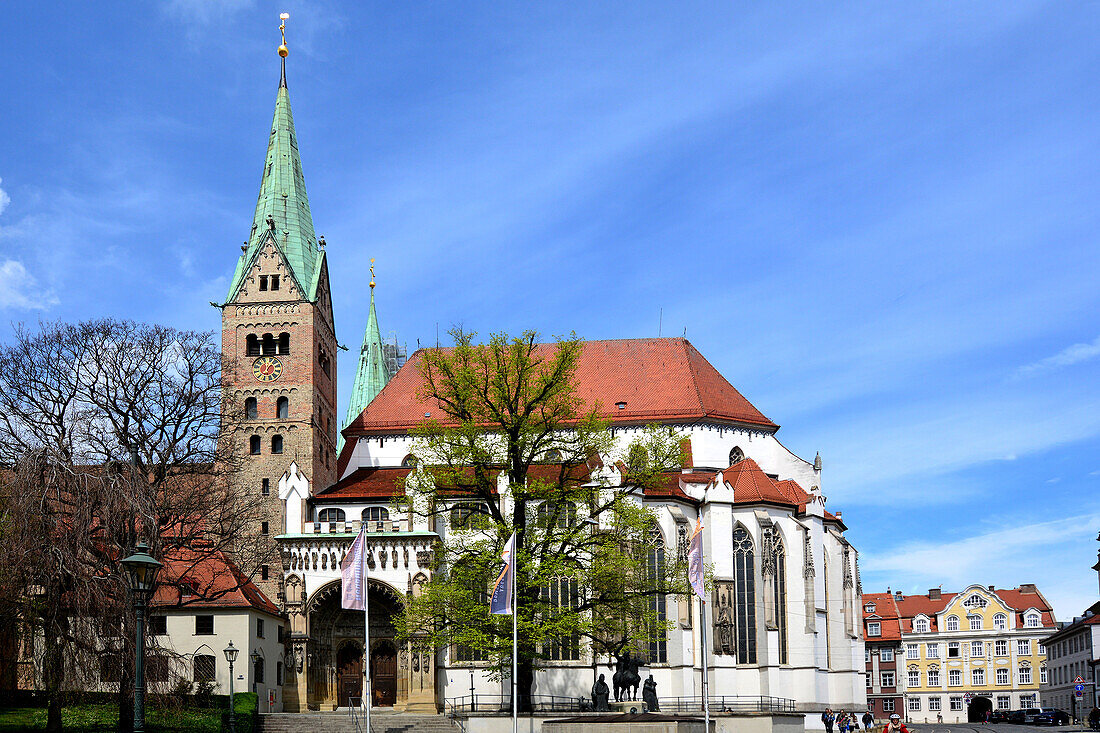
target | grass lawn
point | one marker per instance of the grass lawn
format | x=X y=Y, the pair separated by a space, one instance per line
x=105 y=718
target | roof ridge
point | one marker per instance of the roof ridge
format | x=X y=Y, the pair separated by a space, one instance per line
x=694 y=373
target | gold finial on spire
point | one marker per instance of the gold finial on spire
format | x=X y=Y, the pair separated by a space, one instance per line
x=283 y=50
x=372 y=273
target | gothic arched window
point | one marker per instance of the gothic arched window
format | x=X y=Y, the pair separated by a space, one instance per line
x=276 y=444
x=376 y=514
x=560 y=594
x=409 y=461
x=331 y=515
x=744 y=571
x=250 y=408
x=655 y=574
x=562 y=515
x=472 y=579
x=469 y=515
x=736 y=455
x=779 y=593
x=282 y=408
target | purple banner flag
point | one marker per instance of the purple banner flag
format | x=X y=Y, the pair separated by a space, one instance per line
x=502 y=601
x=354 y=575
x=695 y=560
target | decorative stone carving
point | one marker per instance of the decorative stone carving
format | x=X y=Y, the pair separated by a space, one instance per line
x=724 y=600
x=808 y=568
x=848 y=581
x=682 y=543
x=424 y=558
x=767 y=562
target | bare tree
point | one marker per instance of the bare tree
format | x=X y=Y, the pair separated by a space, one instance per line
x=112 y=432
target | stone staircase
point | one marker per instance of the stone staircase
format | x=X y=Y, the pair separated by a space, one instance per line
x=341 y=722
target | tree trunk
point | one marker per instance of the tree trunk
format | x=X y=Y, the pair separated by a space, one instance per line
x=126 y=701
x=525 y=682
x=51 y=669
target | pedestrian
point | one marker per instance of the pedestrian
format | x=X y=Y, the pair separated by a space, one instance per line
x=827 y=718
x=868 y=720
x=842 y=721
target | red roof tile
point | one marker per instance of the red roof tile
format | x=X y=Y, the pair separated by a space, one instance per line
x=216 y=582
x=656 y=380
x=368 y=483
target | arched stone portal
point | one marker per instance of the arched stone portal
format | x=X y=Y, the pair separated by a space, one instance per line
x=335 y=646
x=979 y=707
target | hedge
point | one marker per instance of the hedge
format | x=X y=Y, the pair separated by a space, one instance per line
x=246 y=710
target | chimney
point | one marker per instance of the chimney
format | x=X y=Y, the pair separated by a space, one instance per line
x=898 y=596
x=1028 y=588
x=933 y=594
x=992 y=587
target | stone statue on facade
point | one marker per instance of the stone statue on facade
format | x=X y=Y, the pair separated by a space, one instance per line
x=649 y=695
x=723 y=623
x=600 y=695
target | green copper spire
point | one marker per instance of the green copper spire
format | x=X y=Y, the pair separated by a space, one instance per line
x=372 y=373
x=282 y=209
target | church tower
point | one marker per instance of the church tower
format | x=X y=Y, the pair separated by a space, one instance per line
x=373 y=369
x=279 y=340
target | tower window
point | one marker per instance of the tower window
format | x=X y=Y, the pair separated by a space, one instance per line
x=254 y=445
x=269 y=345
x=265 y=487
x=263 y=576
x=250 y=408
x=276 y=444
x=263 y=282
x=284 y=343
x=282 y=408
x=264 y=528
x=274 y=282
x=252 y=347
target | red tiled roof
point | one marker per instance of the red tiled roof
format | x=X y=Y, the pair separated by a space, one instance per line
x=886 y=609
x=657 y=380
x=216 y=581
x=752 y=486
x=368 y=483
x=1015 y=598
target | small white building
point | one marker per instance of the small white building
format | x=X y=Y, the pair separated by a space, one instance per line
x=202 y=604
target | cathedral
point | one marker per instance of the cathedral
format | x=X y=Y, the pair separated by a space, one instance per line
x=783 y=618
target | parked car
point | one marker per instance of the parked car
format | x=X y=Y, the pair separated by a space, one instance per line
x=1016 y=716
x=1029 y=715
x=999 y=716
x=1052 y=716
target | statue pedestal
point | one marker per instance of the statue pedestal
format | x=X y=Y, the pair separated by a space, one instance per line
x=626 y=706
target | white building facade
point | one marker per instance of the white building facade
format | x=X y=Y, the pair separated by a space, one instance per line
x=767 y=535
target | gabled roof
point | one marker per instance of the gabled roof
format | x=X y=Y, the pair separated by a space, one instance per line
x=216 y=581
x=655 y=380
x=367 y=483
x=283 y=198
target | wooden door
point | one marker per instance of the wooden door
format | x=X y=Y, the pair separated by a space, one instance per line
x=383 y=672
x=349 y=674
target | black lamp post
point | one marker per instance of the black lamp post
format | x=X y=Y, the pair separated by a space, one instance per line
x=256 y=658
x=141 y=571
x=231 y=656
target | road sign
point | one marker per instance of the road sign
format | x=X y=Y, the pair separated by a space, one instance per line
x=968 y=697
x=1079 y=688
x=1078 y=693
x=1078 y=681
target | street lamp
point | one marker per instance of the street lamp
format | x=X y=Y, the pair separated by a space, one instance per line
x=231 y=656
x=141 y=572
x=256 y=659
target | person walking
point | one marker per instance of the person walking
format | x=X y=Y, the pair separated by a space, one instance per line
x=842 y=722
x=868 y=720
x=828 y=719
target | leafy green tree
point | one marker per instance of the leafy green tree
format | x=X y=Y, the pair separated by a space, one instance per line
x=515 y=451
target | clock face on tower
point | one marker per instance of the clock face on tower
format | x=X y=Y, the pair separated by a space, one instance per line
x=267 y=368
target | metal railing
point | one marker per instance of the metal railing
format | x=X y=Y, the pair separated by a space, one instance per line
x=354 y=704
x=728 y=704
x=488 y=703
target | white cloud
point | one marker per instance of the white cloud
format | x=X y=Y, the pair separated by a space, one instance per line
x=19 y=289
x=1066 y=357
x=1052 y=554
x=206 y=11
x=5 y=199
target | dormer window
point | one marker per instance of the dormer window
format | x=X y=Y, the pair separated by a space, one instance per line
x=274 y=282
x=869 y=608
x=263 y=282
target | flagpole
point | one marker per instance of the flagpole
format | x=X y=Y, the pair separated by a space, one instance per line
x=515 y=642
x=366 y=640
x=703 y=656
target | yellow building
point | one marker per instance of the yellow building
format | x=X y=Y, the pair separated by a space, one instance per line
x=970 y=653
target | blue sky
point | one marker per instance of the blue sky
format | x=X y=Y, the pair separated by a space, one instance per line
x=877 y=220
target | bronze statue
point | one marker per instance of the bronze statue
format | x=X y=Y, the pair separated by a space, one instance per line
x=626 y=677
x=649 y=695
x=600 y=695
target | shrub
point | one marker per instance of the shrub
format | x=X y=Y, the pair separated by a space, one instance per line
x=246 y=710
